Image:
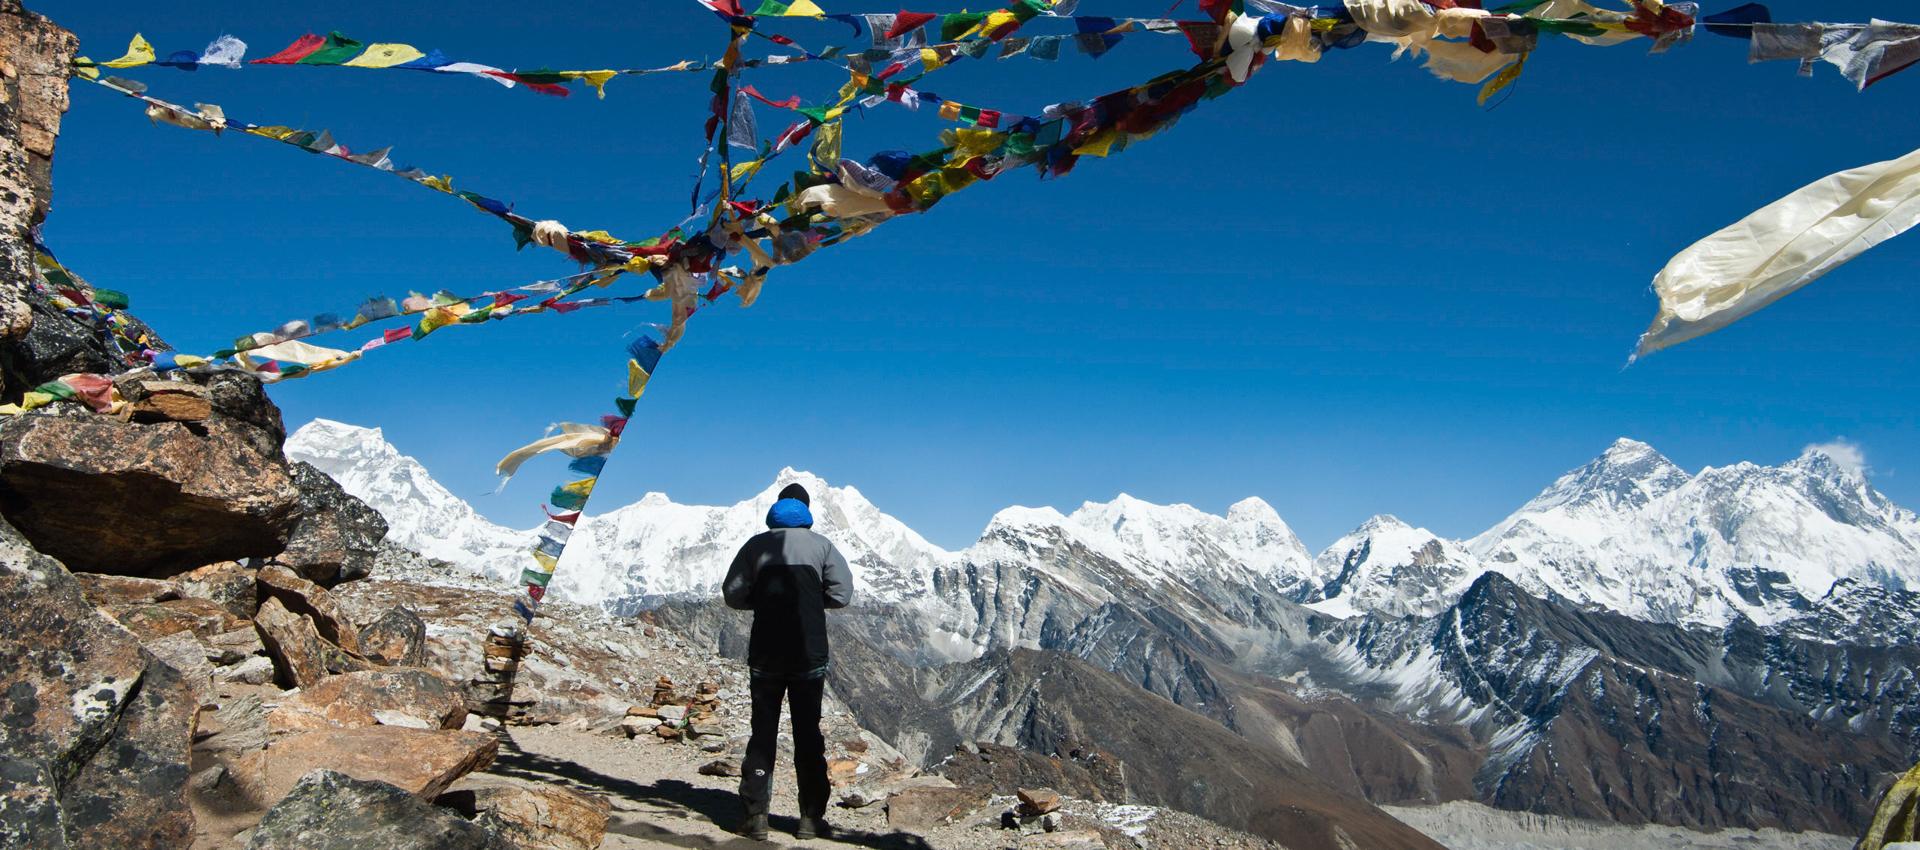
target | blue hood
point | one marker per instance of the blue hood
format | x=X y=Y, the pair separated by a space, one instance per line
x=789 y=513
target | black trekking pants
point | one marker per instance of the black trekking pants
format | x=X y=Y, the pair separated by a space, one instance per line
x=809 y=746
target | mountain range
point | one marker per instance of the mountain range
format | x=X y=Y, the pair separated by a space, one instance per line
x=1635 y=644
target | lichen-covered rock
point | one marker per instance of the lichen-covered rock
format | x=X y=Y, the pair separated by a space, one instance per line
x=336 y=536
x=328 y=810
x=119 y=497
x=228 y=584
x=398 y=637
x=419 y=761
x=94 y=731
x=355 y=699
x=1898 y=817
x=106 y=590
x=159 y=619
x=33 y=94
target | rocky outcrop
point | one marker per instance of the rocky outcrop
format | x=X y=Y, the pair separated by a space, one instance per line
x=397 y=637
x=336 y=536
x=33 y=95
x=301 y=657
x=94 y=731
x=109 y=496
x=329 y=810
x=1080 y=771
x=308 y=600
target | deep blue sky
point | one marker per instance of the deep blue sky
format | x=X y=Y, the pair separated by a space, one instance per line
x=1345 y=289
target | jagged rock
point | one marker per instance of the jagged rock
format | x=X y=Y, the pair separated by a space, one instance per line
x=1038 y=801
x=1081 y=772
x=108 y=590
x=228 y=584
x=399 y=637
x=236 y=727
x=842 y=771
x=188 y=657
x=534 y=817
x=721 y=767
x=311 y=600
x=329 y=810
x=926 y=807
x=235 y=646
x=636 y=726
x=355 y=699
x=171 y=401
x=1897 y=819
x=336 y=536
x=198 y=617
x=117 y=497
x=257 y=670
x=94 y=732
x=33 y=93
x=301 y=657
x=418 y=761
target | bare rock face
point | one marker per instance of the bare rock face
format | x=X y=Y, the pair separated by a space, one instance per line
x=922 y=808
x=105 y=591
x=33 y=95
x=534 y=817
x=398 y=637
x=228 y=584
x=94 y=732
x=357 y=699
x=119 y=497
x=329 y=810
x=336 y=536
x=421 y=762
x=154 y=620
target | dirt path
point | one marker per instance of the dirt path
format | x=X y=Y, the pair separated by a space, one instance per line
x=660 y=800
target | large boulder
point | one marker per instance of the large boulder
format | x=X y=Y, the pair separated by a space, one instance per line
x=419 y=761
x=336 y=536
x=310 y=600
x=398 y=636
x=94 y=731
x=328 y=810
x=109 y=496
x=368 y=697
x=33 y=94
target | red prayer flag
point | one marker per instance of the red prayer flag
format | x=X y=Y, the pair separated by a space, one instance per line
x=300 y=49
x=543 y=88
x=790 y=103
x=568 y=518
x=396 y=334
x=907 y=22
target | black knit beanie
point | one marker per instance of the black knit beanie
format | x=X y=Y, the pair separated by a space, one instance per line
x=795 y=491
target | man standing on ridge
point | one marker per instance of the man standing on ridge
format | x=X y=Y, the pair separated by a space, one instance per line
x=787 y=576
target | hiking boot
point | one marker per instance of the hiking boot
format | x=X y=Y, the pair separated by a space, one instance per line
x=755 y=827
x=813 y=828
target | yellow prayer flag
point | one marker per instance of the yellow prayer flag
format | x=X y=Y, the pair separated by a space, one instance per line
x=1503 y=79
x=1100 y=144
x=444 y=184
x=597 y=79
x=139 y=52
x=803 y=8
x=583 y=487
x=950 y=110
x=929 y=58
x=85 y=68
x=636 y=379
x=548 y=563
x=385 y=56
x=745 y=168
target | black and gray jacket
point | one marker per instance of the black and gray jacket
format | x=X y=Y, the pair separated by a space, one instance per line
x=788 y=577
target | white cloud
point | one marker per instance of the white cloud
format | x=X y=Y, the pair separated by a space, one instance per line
x=1845 y=453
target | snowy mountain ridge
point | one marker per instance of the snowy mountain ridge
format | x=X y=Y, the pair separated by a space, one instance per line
x=1628 y=532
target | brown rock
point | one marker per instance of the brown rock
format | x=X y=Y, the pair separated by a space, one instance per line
x=172 y=401
x=301 y=657
x=109 y=496
x=842 y=771
x=1078 y=839
x=1038 y=801
x=667 y=732
x=235 y=646
x=304 y=597
x=188 y=657
x=419 y=761
x=353 y=699
x=926 y=807
x=399 y=637
x=535 y=817
x=228 y=584
x=721 y=767
x=94 y=732
x=198 y=616
x=643 y=711
x=108 y=590
x=327 y=810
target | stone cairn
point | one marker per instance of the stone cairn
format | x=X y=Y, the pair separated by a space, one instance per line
x=492 y=693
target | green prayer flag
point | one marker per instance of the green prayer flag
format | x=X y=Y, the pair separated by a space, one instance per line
x=535 y=577
x=56 y=389
x=111 y=298
x=625 y=405
x=952 y=26
x=336 y=50
x=772 y=8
